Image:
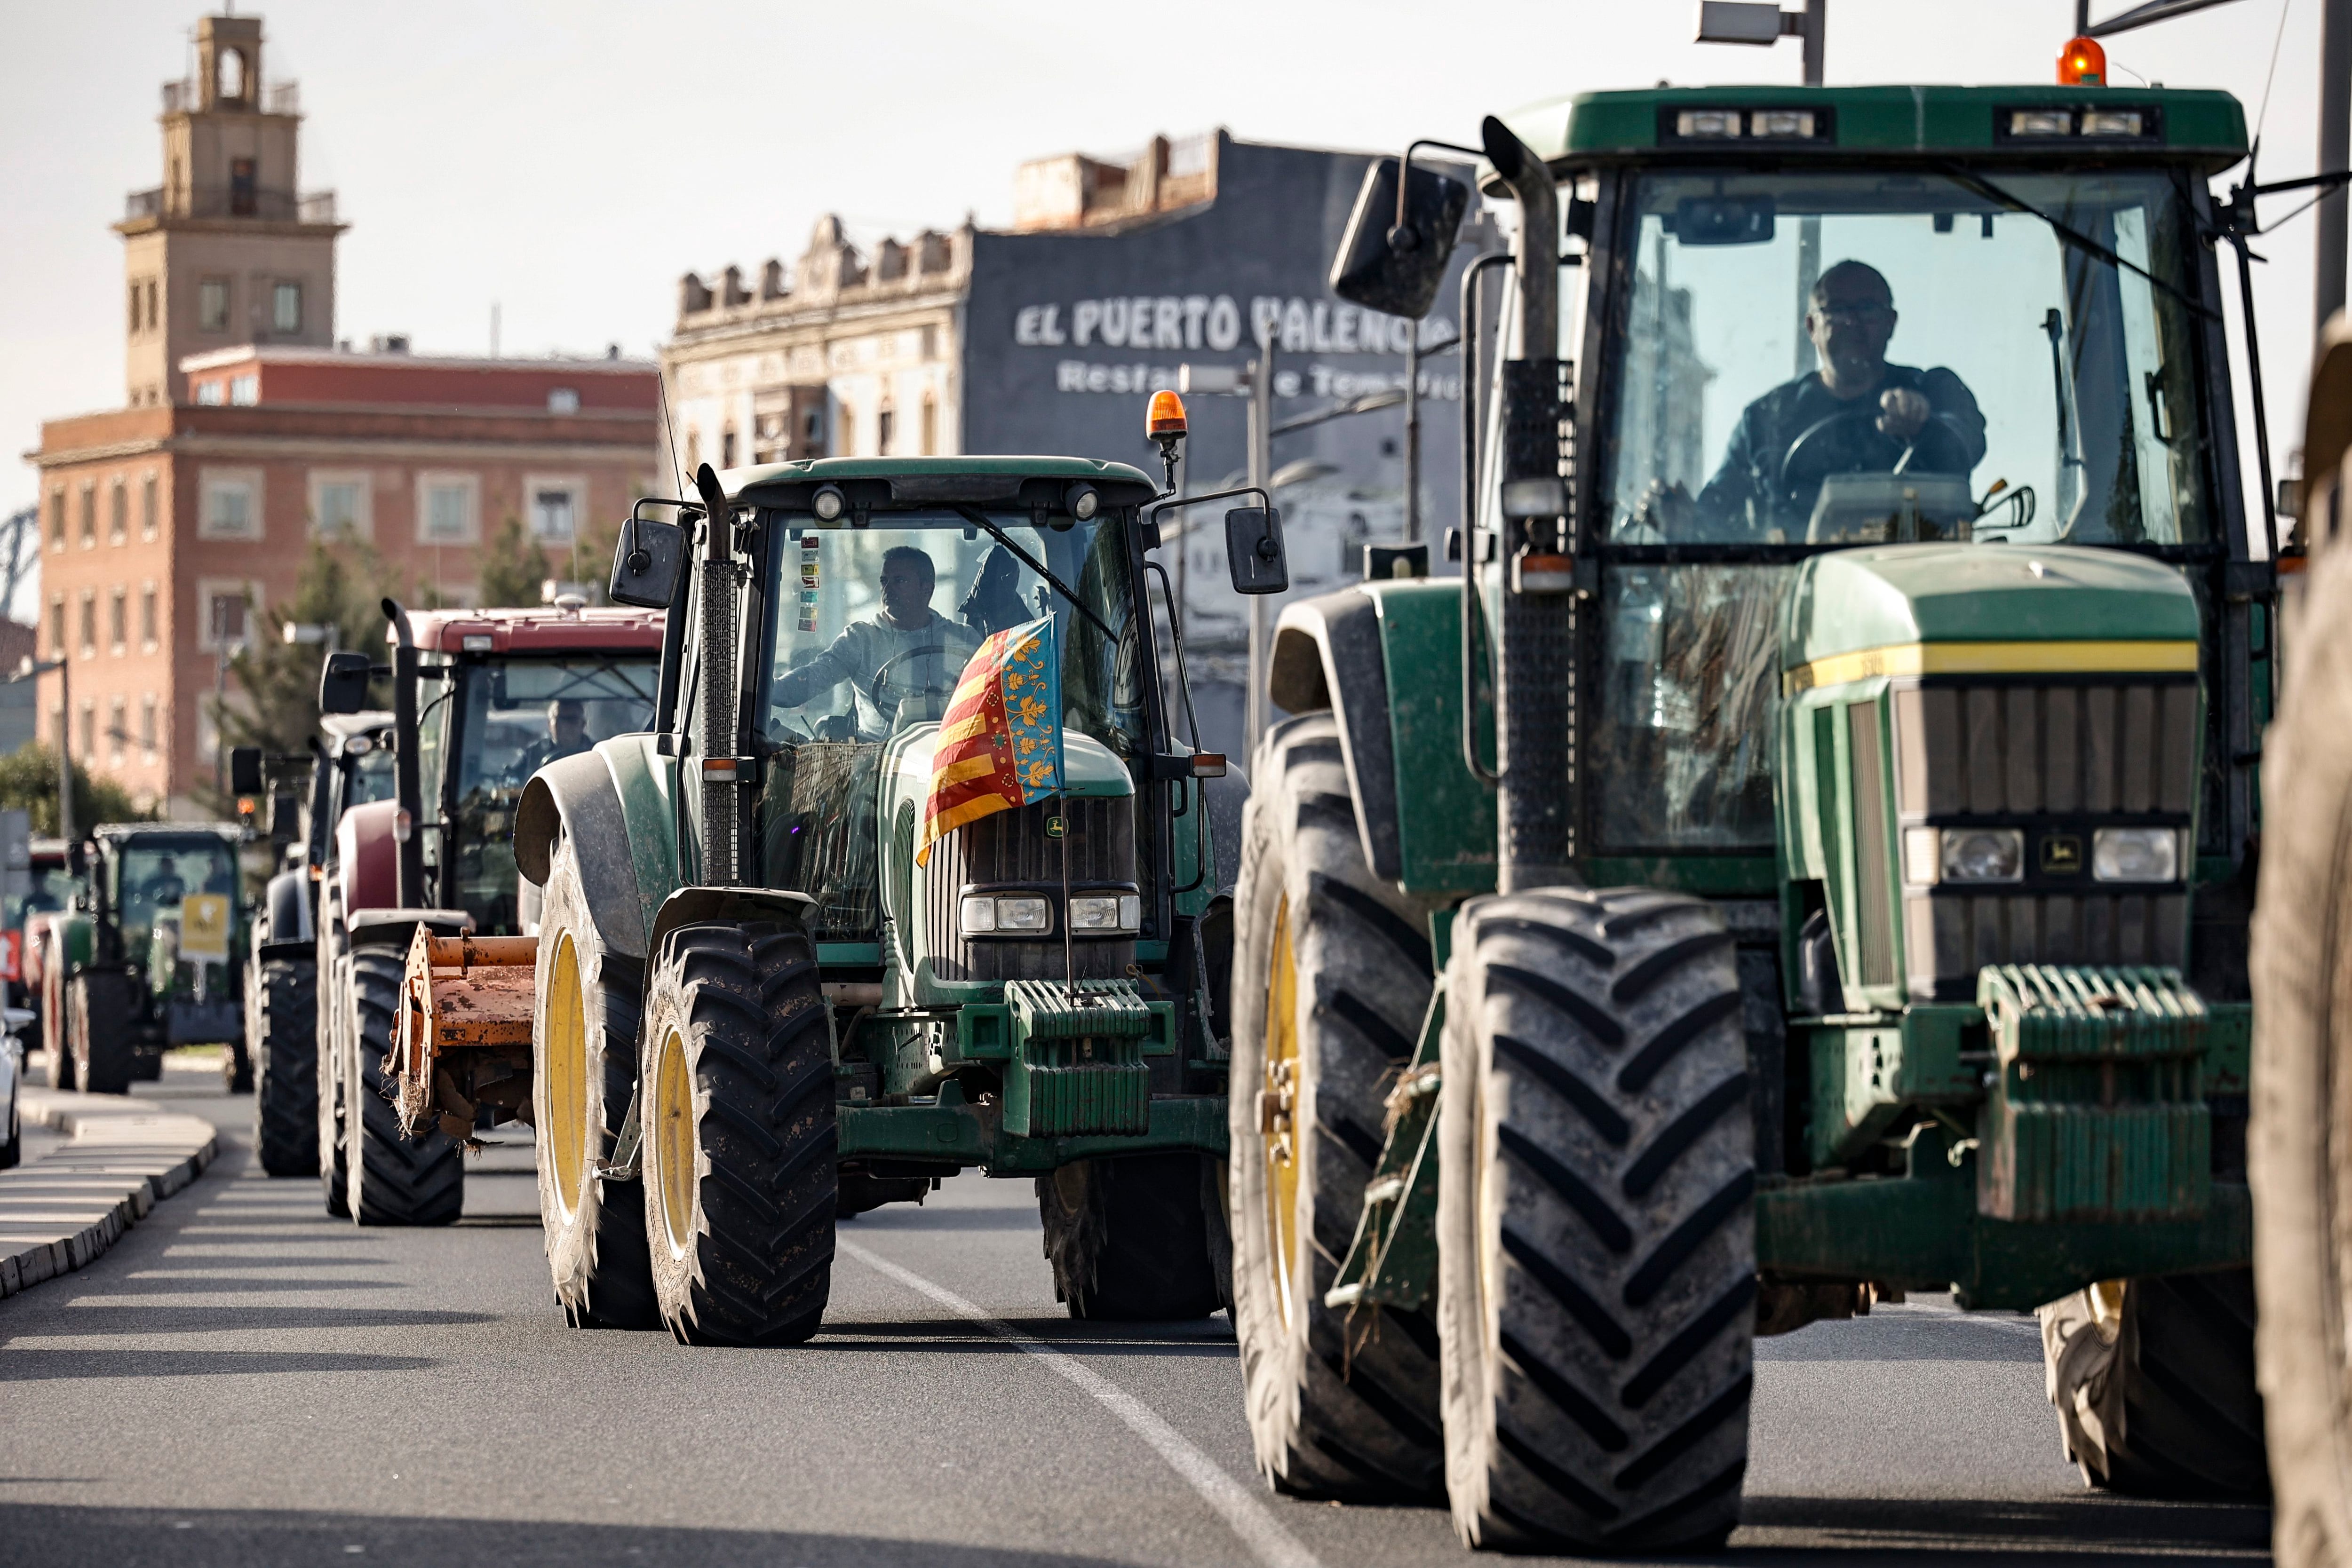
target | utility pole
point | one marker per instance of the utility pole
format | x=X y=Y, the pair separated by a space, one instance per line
x=2334 y=149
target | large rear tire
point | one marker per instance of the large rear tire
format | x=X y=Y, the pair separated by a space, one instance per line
x=738 y=1136
x=282 y=1023
x=2153 y=1385
x=394 y=1179
x=1134 y=1240
x=1595 y=1232
x=584 y=1074
x=105 y=1059
x=2299 y=1139
x=1331 y=985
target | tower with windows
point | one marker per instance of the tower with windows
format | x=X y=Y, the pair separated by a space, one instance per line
x=228 y=249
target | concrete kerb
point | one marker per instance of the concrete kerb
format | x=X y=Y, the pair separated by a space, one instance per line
x=62 y=1210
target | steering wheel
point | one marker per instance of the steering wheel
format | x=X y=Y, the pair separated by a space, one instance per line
x=1845 y=443
x=894 y=660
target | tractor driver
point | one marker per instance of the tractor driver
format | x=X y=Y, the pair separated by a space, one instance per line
x=909 y=651
x=567 y=735
x=1855 y=415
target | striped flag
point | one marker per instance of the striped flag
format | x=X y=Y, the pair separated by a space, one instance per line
x=999 y=745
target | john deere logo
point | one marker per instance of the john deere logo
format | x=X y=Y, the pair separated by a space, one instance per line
x=2062 y=855
x=1054 y=828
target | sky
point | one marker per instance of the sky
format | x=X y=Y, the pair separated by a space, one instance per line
x=567 y=161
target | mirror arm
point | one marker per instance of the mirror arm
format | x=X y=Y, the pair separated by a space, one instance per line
x=1404 y=180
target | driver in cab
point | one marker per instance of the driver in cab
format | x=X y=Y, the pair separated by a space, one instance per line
x=1855 y=415
x=908 y=649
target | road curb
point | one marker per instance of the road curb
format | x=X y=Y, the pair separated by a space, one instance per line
x=62 y=1210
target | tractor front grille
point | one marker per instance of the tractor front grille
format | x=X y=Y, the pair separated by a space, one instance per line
x=2056 y=757
x=1013 y=849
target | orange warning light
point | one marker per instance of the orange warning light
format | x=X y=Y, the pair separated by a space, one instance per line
x=2082 y=63
x=1166 y=416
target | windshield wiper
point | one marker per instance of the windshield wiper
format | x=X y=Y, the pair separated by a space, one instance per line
x=980 y=520
x=2071 y=234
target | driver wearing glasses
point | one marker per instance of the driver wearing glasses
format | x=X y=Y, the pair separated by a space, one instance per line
x=907 y=652
x=1855 y=415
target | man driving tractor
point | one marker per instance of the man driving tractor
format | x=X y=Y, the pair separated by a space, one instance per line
x=1856 y=415
x=908 y=650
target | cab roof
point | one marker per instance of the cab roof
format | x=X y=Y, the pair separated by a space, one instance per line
x=2199 y=126
x=934 y=481
x=122 y=830
x=538 y=630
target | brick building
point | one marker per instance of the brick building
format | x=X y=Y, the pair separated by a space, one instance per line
x=247 y=433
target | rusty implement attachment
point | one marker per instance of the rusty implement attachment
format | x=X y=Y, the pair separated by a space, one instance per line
x=463 y=1034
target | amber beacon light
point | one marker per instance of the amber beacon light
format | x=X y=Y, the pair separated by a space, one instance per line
x=1166 y=416
x=2082 y=63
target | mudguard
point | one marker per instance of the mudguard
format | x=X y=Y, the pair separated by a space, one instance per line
x=616 y=814
x=693 y=906
x=284 y=930
x=1426 y=823
x=368 y=856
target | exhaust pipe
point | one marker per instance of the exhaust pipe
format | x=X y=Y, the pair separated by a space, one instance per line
x=408 y=786
x=722 y=832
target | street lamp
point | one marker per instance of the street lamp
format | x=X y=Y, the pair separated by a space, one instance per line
x=32 y=669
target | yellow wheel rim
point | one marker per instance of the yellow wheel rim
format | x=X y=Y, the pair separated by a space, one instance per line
x=674 y=1150
x=1277 y=1108
x=567 y=1074
x=2107 y=1307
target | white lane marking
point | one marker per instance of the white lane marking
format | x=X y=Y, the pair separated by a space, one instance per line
x=1240 y=1507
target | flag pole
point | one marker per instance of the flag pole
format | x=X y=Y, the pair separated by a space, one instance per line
x=1069 y=950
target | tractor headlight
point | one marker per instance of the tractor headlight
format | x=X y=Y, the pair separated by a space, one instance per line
x=1004 y=914
x=1105 y=913
x=1983 y=854
x=2135 y=854
x=828 y=502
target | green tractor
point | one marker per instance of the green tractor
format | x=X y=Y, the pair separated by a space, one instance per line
x=751 y=1011
x=1807 y=856
x=152 y=955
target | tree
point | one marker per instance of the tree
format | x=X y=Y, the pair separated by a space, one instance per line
x=342 y=587
x=28 y=780
x=513 y=568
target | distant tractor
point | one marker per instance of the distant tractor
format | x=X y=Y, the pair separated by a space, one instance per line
x=152 y=955
x=482 y=699
x=1806 y=858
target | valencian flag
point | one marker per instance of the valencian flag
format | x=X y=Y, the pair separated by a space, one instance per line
x=999 y=745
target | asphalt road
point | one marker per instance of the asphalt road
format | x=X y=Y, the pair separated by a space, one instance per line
x=242 y=1380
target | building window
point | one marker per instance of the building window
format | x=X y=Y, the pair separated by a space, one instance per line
x=930 y=423
x=58 y=518
x=245 y=390
x=134 y=310
x=563 y=400
x=147 y=726
x=118 y=620
x=58 y=625
x=89 y=515
x=118 y=513
x=813 y=434
x=117 y=719
x=339 y=507
x=212 y=394
x=446 y=513
x=89 y=623
x=153 y=320
x=147 y=519
x=212 y=305
x=885 y=426
x=147 y=636
x=88 y=727
x=726 y=448
x=231 y=505
x=285 y=308
x=225 y=616
x=244 y=187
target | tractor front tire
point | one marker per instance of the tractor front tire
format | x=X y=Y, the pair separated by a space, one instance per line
x=1134 y=1240
x=105 y=1058
x=2299 y=1139
x=1595 y=1229
x=394 y=1179
x=1332 y=984
x=739 y=1135
x=2153 y=1385
x=57 y=1020
x=282 y=1023
x=583 y=1039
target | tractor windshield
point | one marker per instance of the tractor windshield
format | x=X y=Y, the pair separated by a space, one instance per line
x=869 y=631
x=158 y=873
x=507 y=719
x=1830 y=359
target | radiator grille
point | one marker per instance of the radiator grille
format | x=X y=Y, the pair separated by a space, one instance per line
x=1874 y=912
x=1013 y=847
x=2023 y=750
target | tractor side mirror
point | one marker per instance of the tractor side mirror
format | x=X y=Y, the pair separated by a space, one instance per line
x=1253 y=550
x=244 y=770
x=647 y=563
x=1393 y=267
x=343 y=683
